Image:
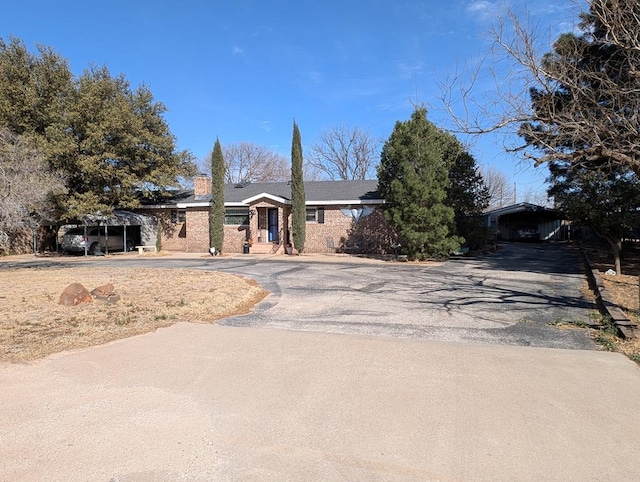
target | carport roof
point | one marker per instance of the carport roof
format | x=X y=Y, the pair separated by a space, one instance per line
x=118 y=218
x=519 y=208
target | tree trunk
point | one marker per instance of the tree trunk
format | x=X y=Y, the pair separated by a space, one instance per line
x=616 y=247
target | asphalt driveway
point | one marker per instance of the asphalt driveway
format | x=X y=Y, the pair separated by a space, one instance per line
x=517 y=296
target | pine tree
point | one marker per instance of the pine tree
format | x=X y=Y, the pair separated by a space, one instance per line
x=216 y=213
x=110 y=141
x=298 y=201
x=607 y=202
x=585 y=110
x=469 y=197
x=413 y=180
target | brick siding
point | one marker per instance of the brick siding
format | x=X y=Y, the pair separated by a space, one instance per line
x=336 y=227
x=370 y=234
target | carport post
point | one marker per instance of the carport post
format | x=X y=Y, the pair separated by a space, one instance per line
x=84 y=234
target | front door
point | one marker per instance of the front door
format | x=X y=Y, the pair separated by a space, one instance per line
x=273 y=225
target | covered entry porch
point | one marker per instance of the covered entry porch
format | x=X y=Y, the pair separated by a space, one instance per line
x=269 y=226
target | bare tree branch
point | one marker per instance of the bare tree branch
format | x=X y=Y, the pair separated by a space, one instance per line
x=344 y=153
x=246 y=161
x=500 y=188
x=576 y=99
x=26 y=184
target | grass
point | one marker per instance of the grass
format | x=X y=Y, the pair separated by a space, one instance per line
x=34 y=325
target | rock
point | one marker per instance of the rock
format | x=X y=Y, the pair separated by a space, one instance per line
x=75 y=294
x=103 y=291
x=112 y=298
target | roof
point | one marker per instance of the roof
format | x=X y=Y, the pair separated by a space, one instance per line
x=519 y=208
x=119 y=217
x=316 y=192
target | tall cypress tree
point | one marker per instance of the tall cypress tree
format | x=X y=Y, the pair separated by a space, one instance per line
x=413 y=177
x=298 y=201
x=216 y=213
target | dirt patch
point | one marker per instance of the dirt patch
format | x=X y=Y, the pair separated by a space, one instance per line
x=34 y=325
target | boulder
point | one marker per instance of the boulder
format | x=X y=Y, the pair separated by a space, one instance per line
x=75 y=294
x=103 y=291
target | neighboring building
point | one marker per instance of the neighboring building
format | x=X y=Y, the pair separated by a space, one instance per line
x=528 y=222
x=341 y=215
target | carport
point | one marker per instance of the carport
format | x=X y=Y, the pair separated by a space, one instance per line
x=508 y=221
x=136 y=227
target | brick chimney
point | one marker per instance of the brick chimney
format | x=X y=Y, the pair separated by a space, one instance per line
x=201 y=186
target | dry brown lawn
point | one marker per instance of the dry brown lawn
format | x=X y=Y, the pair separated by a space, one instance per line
x=624 y=293
x=34 y=325
x=623 y=289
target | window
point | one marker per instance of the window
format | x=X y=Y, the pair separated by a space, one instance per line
x=178 y=216
x=237 y=216
x=315 y=215
x=311 y=215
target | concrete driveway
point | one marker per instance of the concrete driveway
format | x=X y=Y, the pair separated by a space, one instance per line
x=249 y=402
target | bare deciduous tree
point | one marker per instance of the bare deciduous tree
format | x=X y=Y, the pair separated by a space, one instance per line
x=500 y=188
x=26 y=184
x=574 y=100
x=246 y=161
x=249 y=162
x=534 y=196
x=344 y=153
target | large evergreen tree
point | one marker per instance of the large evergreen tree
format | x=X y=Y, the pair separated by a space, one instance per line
x=216 y=213
x=608 y=202
x=468 y=195
x=110 y=142
x=298 y=201
x=35 y=92
x=585 y=110
x=413 y=179
x=119 y=145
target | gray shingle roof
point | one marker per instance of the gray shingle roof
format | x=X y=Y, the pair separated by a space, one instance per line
x=316 y=192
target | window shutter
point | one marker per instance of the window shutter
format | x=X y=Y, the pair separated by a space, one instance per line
x=321 y=215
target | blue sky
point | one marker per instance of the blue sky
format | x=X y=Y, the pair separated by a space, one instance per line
x=242 y=70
